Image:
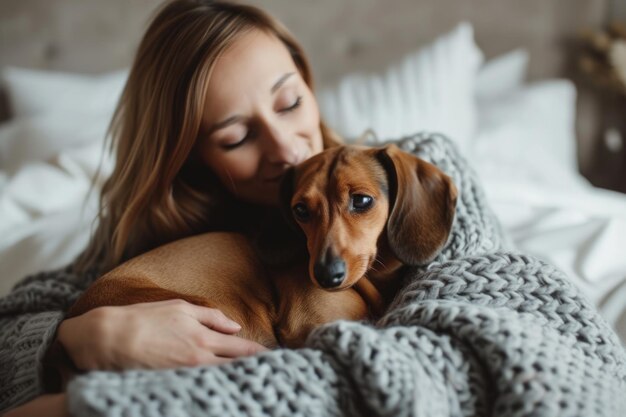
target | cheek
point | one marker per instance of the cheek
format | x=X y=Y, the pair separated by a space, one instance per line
x=365 y=230
x=311 y=124
x=236 y=167
x=313 y=113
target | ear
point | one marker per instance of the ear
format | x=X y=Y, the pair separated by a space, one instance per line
x=422 y=202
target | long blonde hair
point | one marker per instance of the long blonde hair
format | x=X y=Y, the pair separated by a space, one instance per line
x=154 y=195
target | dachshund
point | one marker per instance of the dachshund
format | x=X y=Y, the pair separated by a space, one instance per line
x=364 y=213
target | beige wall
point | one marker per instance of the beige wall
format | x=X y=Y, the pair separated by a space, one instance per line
x=617 y=10
x=340 y=35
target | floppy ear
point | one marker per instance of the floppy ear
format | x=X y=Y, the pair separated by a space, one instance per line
x=422 y=202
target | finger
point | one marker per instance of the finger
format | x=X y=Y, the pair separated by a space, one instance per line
x=218 y=360
x=214 y=319
x=205 y=357
x=233 y=347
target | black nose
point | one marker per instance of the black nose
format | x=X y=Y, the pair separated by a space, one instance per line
x=330 y=274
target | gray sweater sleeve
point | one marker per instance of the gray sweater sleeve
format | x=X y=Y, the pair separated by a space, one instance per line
x=29 y=317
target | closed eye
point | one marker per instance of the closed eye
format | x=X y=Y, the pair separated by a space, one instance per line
x=294 y=106
x=230 y=146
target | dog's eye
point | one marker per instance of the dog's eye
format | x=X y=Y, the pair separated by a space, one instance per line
x=301 y=212
x=361 y=202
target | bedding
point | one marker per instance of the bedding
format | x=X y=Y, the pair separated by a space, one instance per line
x=525 y=155
x=49 y=152
x=33 y=92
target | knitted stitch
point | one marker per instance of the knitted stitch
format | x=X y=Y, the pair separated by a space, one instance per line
x=479 y=331
x=29 y=317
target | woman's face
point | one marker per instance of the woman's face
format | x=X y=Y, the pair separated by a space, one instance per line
x=260 y=118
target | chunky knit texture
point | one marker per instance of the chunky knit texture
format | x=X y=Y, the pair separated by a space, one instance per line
x=29 y=317
x=480 y=331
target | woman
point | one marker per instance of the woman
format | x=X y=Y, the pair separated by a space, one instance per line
x=218 y=104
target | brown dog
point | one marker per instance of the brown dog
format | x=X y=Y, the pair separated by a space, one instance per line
x=365 y=213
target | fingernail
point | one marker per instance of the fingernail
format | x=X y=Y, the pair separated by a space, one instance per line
x=234 y=323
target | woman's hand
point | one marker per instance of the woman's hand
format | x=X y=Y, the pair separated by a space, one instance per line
x=46 y=405
x=163 y=334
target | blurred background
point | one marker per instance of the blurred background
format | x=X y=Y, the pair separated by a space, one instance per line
x=94 y=36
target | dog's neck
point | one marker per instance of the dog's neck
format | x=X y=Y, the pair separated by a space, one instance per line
x=382 y=281
x=276 y=243
x=385 y=273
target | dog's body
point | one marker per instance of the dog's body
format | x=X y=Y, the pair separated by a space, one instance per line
x=274 y=305
x=365 y=213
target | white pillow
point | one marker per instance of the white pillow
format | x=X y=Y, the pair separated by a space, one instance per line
x=54 y=111
x=529 y=134
x=525 y=131
x=431 y=89
x=502 y=75
x=32 y=92
x=41 y=137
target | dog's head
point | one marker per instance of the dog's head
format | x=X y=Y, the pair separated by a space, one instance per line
x=346 y=198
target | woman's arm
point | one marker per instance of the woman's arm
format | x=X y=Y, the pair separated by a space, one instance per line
x=29 y=317
x=150 y=335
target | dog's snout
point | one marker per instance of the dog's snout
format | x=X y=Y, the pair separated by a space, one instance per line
x=330 y=273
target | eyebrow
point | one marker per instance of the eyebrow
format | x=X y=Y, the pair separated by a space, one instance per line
x=234 y=119
x=281 y=81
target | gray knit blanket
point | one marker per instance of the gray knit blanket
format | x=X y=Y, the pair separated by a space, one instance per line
x=480 y=331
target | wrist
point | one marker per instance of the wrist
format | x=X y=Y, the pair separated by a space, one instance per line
x=63 y=341
x=57 y=365
x=61 y=333
x=87 y=338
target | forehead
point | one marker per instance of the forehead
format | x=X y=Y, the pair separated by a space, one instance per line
x=254 y=46
x=341 y=169
x=254 y=61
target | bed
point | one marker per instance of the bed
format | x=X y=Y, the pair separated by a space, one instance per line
x=494 y=86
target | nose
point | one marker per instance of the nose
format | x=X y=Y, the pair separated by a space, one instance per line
x=280 y=148
x=330 y=271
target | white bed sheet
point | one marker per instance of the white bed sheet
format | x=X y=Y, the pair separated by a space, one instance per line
x=581 y=231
